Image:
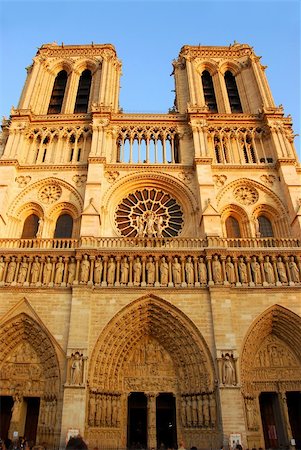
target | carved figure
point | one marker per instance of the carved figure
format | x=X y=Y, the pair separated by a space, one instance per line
x=251 y=414
x=150 y=224
x=164 y=271
x=255 y=268
x=47 y=271
x=76 y=369
x=11 y=270
x=242 y=268
x=217 y=270
x=189 y=271
x=59 y=270
x=84 y=270
x=230 y=270
x=150 y=268
x=92 y=411
x=124 y=271
x=71 y=270
x=22 y=271
x=159 y=224
x=228 y=371
x=295 y=275
x=188 y=411
x=2 y=265
x=268 y=270
x=111 y=271
x=137 y=271
x=40 y=227
x=98 y=268
x=281 y=270
x=35 y=270
x=176 y=272
x=183 y=411
x=202 y=271
x=16 y=409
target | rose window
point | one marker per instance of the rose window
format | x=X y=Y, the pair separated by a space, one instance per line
x=149 y=213
x=246 y=195
x=50 y=193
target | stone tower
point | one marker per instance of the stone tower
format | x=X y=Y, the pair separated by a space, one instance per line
x=150 y=264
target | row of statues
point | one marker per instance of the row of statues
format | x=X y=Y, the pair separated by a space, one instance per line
x=150 y=271
x=48 y=414
x=104 y=410
x=198 y=411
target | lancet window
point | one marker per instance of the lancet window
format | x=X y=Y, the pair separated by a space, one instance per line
x=208 y=90
x=265 y=227
x=30 y=227
x=58 y=92
x=148 y=145
x=233 y=94
x=64 y=227
x=83 y=92
x=232 y=227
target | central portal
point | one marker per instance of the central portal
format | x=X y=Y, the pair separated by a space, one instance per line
x=166 y=421
x=137 y=420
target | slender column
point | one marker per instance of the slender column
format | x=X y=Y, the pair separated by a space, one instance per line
x=278 y=283
x=157 y=281
x=30 y=259
x=41 y=271
x=92 y=259
x=226 y=282
x=210 y=280
x=64 y=283
x=184 y=284
x=260 y=259
x=78 y=258
x=52 y=272
x=117 y=282
x=130 y=283
x=14 y=282
x=170 y=283
x=284 y=412
x=151 y=420
x=238 y=283
x=249 y=271
x=196 y=273
x=143 y=282
x=105 y=269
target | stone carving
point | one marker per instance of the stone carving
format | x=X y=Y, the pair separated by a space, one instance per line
x=23 y=180
x=137 y=271
x=268 y=270
x=202 y=271
x=12 y=265
x=268 y=179
x=251 y=413
x=124 y=271
x=79 y=180
x=176 y=272
x=185 y=176
x=104 y=410
x=242 y=269
x=217 y=270
x=281 y=270
x=2 y=265
x=228 y=370
x=40 y=228
x=112 y=175
x=295 y=273
x=150 y=269
x=23 y=268
x=35 y=270
x=230 y=272
x=246 y=195
x=59 y=271
x=84 y=270
x=189 y=270
x=71 y=271
x=164 y=272
x=16 y=409
x=255 y=269
x=47 y=271
x=76 y=373
x=98 y=268
x=273 y=354
x=219 y=180
x=50 y=193
x=111 y=271
x=198 y=410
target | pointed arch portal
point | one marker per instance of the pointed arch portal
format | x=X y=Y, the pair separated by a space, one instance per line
x=151 y=358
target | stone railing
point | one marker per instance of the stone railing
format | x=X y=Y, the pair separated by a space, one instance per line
x=109 y=243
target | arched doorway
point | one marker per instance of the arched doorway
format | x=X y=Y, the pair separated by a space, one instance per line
x=271 y=379
x=151 y=352
x=30 y=381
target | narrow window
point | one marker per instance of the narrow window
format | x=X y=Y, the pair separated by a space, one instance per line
x=176 y=149
x=44 y=155
x=232 y=227
x=64 y=226
x=83 y=92
x=71 y=154
x=30 y=227
x=233 y=95
x=265 y=227
x=78 y=154
x=57 y=96
x=208 y=90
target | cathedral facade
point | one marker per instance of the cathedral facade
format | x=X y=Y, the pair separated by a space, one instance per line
x=150 y=264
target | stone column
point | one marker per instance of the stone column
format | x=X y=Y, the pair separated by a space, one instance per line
x=130 y=283
x=285 y=417
x=17 y=421
x=151 y=420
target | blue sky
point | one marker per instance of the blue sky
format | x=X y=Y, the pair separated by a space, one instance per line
x=148 y=35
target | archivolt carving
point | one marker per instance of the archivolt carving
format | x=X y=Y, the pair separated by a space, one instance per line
x=233 y=66
x=84 y=63
x=274 y=341
x=210 y=65
x=30 y=208
x=63 y=207
x=173 y=342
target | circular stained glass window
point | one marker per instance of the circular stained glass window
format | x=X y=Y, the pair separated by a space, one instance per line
x=149 y=213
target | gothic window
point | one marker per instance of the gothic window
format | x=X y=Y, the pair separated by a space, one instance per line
x=58 y=92
x=233 y=95
x=30 y=227
x=208 y=90
x=83 y=92
x=64 y=227
x=232 y=227
x=265 y=227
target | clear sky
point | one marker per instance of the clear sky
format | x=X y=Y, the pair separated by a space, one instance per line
x=148 y=35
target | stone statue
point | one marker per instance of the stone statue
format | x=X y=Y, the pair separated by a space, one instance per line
x=71 y=270
x=188 y=411
x=47 y=271
x=242 y=269
x=2 y=265
x=268 y=270
x=111 y=271
x=22 y=271
x=59 y=270
x=251 y=414
x=217 y=270
x=202 y=271
x=84 y=270
x=230 y=271
x=176 y=272
x=11 y=270
x=98 y=268
x=40 y=227
x=76 y=369
x=140 y=226
x=281 y=270
x=92 y=410
x=228 y=371
x=16 y=409
x=159 y=224
x=150 y=224
x=255 y=268
x=189 y=271
x=150 y=268
x=137 y=271
x=295 y=275
x=164 y=272
x=35 y=270
x=124 y=271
